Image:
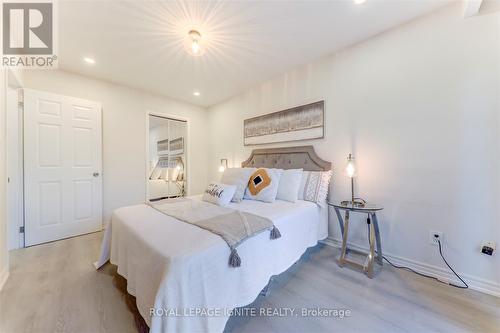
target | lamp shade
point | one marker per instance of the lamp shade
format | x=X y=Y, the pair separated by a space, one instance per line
x=223 y=164
x=350 y=168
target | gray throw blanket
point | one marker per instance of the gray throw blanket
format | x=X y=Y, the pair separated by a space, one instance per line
x=232 y=225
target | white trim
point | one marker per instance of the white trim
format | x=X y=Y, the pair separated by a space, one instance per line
x=15 y=169
x=471 y=7
x=3 y=278
x=475 y=283
x=14 y=81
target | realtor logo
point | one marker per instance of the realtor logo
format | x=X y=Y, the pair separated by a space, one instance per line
x=28 y=34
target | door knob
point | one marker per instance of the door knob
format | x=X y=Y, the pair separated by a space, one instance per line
x=96 y=174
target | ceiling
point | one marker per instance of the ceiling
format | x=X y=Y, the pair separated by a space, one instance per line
x=142 y=44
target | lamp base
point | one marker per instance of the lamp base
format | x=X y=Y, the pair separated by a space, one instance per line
x=356 y=203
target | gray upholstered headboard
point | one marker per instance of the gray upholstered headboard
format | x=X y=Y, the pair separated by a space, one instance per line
x=303 y=157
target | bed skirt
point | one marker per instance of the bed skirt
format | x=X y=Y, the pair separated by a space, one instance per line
x=121 y=283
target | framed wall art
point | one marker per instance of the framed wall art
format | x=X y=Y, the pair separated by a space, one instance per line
x=304 y=122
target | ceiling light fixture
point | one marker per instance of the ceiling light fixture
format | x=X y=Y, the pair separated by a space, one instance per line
x=359 y=2
x=196 y=93
x=89 y=60
x=195 y=42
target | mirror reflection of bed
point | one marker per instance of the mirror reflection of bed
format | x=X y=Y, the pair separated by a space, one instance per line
x=166 y=158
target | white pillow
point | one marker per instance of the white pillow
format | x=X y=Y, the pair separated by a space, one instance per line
x=238 y=177
x=155 y=174
x=173 y=174
x=289 y=185
x=218 y=193
x=314 y=185
x=263 y=185
x=164 y=174
x=152 y=166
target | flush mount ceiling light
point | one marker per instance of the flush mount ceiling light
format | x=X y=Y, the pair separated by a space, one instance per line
x=194 y=45
x=89 y=60
x=359 y=2
x=196 y=93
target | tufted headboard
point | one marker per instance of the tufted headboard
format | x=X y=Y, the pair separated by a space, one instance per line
x=303 y=157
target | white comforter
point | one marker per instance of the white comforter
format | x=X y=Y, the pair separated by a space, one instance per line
x=181 y=268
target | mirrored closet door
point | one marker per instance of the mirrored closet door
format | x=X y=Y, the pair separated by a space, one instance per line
x=167 y=158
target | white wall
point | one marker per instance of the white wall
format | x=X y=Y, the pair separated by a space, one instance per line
x=419 y=108
x=124 y=133
x=4 y=254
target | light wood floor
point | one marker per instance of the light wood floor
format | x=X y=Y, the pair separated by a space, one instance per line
x=54 y=288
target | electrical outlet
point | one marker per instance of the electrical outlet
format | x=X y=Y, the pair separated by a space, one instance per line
x=488 y=248
x=433 y=239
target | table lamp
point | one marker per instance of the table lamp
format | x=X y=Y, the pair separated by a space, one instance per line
x=223 y=164
x=351 y=173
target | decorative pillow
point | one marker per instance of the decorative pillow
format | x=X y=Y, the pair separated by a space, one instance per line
x=314 y=185
x=263 y=185
x=173 y=174
x=289 y=185
x=164 y=174
x=238 y=177
x=152 y=166
x=155 y=174
x=218 y=193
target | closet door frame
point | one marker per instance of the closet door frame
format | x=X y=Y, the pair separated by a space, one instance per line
x=186 y=144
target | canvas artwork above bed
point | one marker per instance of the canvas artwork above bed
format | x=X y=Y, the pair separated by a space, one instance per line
x=303 y=122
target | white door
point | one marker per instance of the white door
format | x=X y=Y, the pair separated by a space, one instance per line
x=62 y=166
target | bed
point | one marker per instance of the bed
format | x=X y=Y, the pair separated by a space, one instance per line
x=160 y=189
x=179 y=272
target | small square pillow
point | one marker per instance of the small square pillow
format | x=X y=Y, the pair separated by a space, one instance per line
x=238 y=177
x=156 y=173
x=314 y=185
x=263 y=185
x=288 y=188
x=218 y=193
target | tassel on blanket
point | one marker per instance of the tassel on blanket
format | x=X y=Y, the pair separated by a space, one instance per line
x=275 y=233
x=234 y=259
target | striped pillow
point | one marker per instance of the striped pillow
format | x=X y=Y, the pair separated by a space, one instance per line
x=314 y=185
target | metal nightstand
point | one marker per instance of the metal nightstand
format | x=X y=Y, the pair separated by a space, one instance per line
x=374 y=239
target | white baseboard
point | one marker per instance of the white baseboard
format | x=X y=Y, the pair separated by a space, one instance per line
x=105 y=224
x=4 y=275
x=475 y=283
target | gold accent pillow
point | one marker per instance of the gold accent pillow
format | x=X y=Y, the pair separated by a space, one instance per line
x=263 y=185
x=259 y=180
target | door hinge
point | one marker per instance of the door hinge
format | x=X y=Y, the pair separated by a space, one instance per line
x=21 y=230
